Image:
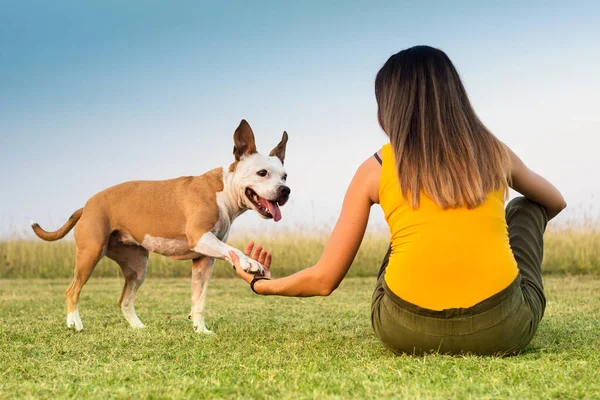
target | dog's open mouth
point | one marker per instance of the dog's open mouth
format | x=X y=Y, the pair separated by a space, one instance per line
x=266 y=208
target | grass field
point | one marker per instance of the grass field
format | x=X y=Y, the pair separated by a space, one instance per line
x=272 y=347
x=571 y=250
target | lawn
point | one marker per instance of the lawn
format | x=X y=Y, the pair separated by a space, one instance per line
x=272 y=347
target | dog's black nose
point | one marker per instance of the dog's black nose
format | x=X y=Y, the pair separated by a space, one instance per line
x=284 y=191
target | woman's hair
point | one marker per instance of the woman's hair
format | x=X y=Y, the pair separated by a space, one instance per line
x=440 y=145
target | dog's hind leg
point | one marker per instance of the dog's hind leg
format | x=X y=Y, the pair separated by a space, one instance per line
x=202 y=269
x=88 y=253
x=133 y=261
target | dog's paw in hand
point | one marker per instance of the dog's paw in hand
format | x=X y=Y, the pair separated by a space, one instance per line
x=256 y=267
x=249 y=265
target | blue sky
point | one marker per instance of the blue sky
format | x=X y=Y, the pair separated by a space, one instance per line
x=96 y=93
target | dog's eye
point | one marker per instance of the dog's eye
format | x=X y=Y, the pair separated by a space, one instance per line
x=262 y=172
x=284 y=177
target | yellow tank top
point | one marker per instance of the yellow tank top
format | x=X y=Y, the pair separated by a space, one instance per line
x=444 y=259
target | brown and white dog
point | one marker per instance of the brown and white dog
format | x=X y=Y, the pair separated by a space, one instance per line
x=186 y=218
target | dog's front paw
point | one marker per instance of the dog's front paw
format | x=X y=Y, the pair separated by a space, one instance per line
x=203 y=330
x=250 y=265
x=254 y=267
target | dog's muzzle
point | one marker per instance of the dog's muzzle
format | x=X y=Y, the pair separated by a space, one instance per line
x=283 y=194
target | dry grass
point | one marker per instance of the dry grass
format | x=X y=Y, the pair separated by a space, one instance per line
x=570 y=250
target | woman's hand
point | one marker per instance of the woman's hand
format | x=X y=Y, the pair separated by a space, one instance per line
x=259 y=254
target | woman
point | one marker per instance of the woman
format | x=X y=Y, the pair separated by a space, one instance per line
x=462 y=274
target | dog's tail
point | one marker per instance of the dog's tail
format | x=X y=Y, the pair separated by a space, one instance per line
x=60 y=233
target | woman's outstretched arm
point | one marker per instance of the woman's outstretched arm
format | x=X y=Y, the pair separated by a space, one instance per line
x=324 y=277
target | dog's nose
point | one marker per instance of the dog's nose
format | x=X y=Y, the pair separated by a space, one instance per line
x=284 y=191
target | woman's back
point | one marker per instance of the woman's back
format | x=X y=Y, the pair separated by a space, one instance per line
x=442 y=259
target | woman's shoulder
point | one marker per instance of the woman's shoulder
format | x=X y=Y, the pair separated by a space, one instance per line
x=385 y=150
x=369 y=173
x=375 y=161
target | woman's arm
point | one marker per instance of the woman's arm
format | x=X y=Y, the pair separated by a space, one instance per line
x=341 y=248
x=535 y=187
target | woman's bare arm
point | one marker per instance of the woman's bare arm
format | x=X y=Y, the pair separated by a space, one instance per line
x=342 y=246
x=535 y=187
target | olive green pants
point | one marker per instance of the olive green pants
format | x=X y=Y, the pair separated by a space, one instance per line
x=503 y=324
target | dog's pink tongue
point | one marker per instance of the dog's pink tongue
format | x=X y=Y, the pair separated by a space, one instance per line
x=274 y=210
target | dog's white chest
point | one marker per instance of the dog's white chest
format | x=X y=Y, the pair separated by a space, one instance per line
x=221 y=230
x=223 y=225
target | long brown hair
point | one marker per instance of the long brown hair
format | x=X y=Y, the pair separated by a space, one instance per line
x=440 y=145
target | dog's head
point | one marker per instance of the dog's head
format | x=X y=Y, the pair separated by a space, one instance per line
x=260 y=180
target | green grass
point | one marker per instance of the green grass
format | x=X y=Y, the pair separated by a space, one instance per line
x=272 y=347
x=574 y=250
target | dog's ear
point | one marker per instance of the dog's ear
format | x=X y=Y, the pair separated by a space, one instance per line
x=243 y=141
x=279 y=150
